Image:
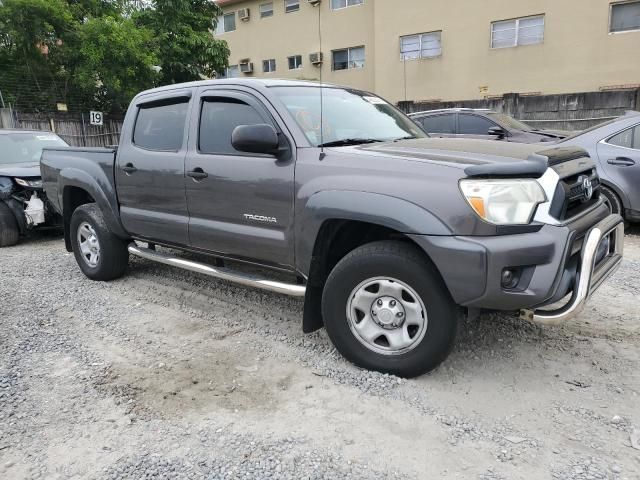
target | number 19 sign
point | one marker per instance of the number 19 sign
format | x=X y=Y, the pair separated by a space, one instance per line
x=95 y=118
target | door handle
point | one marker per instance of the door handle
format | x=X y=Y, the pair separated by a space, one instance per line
x=129 y=169
x=621 y=161
x=197 y=174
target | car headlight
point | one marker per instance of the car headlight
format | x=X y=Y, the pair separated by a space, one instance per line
x=505 y=201
x=33 y=183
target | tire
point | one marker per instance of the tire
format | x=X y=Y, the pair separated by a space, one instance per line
x=372 y=277
x=9 y=233
x=612 y=201
x=99 y=253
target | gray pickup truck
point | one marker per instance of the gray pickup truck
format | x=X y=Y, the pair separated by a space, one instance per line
x=390 y=236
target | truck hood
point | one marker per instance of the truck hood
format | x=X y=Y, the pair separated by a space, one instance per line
x=20 y=170
x=478 y=157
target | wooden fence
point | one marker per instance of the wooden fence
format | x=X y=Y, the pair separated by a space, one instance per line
x=73 y=128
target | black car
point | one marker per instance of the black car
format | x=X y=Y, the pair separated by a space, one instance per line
x=483 y=124
x=23 y=204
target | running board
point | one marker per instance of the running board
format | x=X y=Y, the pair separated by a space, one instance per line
x=220 y=273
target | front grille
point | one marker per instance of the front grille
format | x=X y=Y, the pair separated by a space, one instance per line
x=571 y=198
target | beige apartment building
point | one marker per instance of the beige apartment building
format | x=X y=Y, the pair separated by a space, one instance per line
x=420 y=50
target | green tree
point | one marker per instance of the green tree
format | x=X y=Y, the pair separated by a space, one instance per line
x=31 y=31
x=112 y=59
x=183 y=30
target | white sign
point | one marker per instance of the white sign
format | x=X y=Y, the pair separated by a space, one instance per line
x=96 y=118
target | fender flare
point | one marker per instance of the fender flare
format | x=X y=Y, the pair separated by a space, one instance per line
x=101 y=190
x=374 y=208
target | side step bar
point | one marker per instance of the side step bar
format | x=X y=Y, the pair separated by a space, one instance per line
x=221 y=273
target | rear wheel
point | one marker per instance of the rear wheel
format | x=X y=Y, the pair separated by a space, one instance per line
x=9 y=233
x=99 y=253
x=385 y=308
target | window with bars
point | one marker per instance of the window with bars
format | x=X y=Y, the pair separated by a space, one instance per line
x=348 y=58
x=625 y=16
x=269 y=66
x=338 y=4
x=423 y=45
x=518 y=31
x=291 y=6
x=295 y=62
x=266 y=10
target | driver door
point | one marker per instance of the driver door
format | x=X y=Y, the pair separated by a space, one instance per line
x=240 y=204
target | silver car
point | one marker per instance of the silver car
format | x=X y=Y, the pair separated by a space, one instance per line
x=615 y=146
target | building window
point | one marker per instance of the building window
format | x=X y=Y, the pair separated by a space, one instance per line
x=338 y=4
x=424 y=45
x=348 y=58
x=269 y=66
x=266 y=10
x=226 y=23
x=291 y=6
x=232 y=71
x=625 y=16
x=519 y=31
x=295 y=62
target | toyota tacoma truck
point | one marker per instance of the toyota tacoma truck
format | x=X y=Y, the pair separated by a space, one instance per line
x=390 y=236
x=23 y=204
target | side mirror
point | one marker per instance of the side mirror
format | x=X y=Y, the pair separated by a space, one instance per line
x=497 y=131
x=261 y=138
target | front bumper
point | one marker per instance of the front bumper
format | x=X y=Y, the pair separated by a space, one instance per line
x=592 y=273
x=549 y=263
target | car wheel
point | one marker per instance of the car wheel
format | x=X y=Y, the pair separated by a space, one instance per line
x=99 y=253
x=612 y=201
x=9 y=233
x=386 y=308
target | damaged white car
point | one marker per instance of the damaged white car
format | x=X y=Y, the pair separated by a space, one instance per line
x=23 y=204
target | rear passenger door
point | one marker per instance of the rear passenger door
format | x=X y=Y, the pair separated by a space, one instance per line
x=475 y=126
x=150 y=168
x=619 y=157
x=443 y=125
x=240 y=204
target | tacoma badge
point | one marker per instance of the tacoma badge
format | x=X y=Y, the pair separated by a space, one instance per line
x=260 y=218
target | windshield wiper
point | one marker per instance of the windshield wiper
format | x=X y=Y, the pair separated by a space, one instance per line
x=345 y=142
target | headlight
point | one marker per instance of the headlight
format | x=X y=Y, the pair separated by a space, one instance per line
x=503 y=202
x=33 y=183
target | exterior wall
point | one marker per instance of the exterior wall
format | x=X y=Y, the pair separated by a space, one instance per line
x=288 y=34
x=578 y=53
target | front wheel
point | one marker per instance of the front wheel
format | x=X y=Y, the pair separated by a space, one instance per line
x=386 y=308
x=99 y=253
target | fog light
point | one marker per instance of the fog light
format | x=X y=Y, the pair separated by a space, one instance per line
x=509 y=278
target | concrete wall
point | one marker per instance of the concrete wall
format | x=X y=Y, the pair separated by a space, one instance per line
x=578 y=53
x=567 y=111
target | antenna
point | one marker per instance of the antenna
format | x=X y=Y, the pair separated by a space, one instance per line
x=322 y=154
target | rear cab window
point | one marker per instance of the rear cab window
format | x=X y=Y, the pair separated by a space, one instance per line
x=160 y=125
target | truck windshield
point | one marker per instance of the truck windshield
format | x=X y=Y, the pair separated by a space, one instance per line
x=350 y=117
x=22 y=147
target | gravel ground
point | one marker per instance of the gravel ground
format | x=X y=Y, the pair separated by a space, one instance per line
x=167 y=374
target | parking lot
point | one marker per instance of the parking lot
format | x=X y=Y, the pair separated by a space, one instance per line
x=167 y=374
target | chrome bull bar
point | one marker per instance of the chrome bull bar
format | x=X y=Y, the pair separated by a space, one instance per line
x=590 y=276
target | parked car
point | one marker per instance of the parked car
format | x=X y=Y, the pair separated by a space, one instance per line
x=615 y=146
x=482 y=124
x=389 y=236
x=23 y=204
